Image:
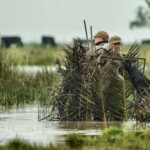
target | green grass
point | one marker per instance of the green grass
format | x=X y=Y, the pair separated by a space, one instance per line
x=34 y=55
x=111 y=139
x=144 y=53
x=39 y=55
x=19 y=88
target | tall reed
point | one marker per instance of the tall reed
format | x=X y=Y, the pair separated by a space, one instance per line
x=19 y=88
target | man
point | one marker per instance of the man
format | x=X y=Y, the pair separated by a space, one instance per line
x=101 y=47
x=113 y=96
x=102 y=89
x=101 y=41
x=115 y=50
x=115 y=45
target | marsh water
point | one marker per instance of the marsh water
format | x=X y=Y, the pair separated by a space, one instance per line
x=23 y=123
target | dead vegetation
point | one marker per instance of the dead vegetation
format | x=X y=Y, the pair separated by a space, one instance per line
x=91 y=91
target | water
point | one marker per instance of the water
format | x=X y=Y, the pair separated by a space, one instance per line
x=36 y=69
x=23 y=123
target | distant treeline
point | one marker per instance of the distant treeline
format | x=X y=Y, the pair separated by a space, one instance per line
x=7 y=41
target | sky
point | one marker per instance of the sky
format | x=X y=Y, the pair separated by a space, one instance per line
x=63 y=19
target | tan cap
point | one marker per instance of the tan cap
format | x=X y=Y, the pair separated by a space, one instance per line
x=102 y=34
x=115 y=39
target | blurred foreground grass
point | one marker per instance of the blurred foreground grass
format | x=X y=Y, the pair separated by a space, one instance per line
x=111 y=139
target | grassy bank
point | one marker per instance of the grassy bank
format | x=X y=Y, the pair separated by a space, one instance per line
x=111 y=139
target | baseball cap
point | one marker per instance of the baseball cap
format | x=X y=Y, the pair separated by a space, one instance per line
x=102 y=34
x=115 y=39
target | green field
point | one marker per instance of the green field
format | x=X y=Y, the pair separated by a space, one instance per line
x=34 y=55
x=38 y=55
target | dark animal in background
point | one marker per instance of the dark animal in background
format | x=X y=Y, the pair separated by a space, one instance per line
x=47 y=40
x=138 y=79
x=142 y=85
x=146 y=41
x=9 y=40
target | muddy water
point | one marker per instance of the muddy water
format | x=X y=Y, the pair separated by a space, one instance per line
x=23 y=123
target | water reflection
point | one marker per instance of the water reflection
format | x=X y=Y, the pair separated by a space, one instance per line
x=23 y=123
x=35 y=69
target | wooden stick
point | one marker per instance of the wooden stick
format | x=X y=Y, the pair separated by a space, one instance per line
x=86 y=33
x=91 y=32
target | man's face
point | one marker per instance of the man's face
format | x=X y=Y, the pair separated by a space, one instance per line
x=98 y=40
x=100 y=43
x=115 y=47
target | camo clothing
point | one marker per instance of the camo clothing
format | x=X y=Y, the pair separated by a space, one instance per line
x=107 y=67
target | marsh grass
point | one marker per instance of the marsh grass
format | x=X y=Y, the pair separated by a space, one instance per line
x=111 y=139
x=34 y=55
x=39 y=55
x=19 y=88
x=145 y=53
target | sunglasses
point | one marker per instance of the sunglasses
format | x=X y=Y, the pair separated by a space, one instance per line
x=118 y=43
x=99 y=43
